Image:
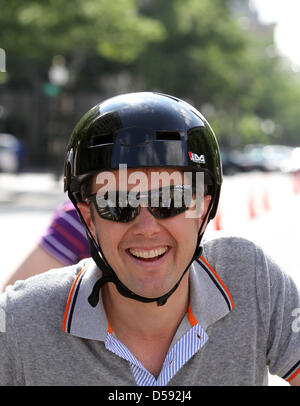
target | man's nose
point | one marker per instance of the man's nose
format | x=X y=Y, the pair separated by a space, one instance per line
x=145 y=223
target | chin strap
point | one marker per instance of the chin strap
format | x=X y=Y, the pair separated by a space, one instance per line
x=110 y=276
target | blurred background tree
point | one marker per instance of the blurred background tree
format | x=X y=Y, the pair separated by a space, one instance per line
x=54 y=50
x=63 y=57
x=226 y=63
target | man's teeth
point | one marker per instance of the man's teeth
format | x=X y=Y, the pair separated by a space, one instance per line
x=148 y=253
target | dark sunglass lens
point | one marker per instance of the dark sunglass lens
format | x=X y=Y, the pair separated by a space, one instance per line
x=120 y=214
x=126 y=214
x=112 y=206
x=171 y=202
x=166 y=212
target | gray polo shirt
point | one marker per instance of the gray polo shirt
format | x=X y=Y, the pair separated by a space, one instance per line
x=243 y=320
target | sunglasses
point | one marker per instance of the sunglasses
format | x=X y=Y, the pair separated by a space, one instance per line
x=124 y=206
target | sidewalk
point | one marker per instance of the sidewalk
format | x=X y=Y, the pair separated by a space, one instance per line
x=42 y=191
x=27 y=203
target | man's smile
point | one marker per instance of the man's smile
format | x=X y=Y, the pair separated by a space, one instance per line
x=148 y=255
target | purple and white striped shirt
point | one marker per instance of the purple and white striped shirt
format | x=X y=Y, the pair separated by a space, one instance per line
x=65 y=238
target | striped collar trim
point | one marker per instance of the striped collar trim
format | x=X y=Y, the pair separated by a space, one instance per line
x=210 y=300
x=218 y=282
x=293 y=372
x=80 y=318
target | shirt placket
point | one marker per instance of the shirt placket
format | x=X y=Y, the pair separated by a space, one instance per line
x=180 y=353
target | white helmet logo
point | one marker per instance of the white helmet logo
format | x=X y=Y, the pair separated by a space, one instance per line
x=199 y=159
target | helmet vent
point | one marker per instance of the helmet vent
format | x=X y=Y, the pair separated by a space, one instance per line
x=101 y=140
x=168 y=135
x=105 y=124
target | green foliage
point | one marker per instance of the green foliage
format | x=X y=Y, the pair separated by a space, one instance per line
x=194 y=49
x=209 y=59
x=40 y=29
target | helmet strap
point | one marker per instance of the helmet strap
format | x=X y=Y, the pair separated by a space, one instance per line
x=108 y=274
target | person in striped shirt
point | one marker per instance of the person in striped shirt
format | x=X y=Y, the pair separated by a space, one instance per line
x=65 y=238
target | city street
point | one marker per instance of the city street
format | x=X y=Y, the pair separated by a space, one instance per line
x=262 y=207
x=27 y=203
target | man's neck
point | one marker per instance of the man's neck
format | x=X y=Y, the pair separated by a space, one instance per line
x=145 y=319
x=146 y=329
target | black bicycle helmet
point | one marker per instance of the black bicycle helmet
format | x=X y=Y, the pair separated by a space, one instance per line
x=144 y=129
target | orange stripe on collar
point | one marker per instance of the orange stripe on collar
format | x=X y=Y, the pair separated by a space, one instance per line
x=294 y=375
x=70 y=299
x=219 y=280
x=109 y=328
x=191 y=318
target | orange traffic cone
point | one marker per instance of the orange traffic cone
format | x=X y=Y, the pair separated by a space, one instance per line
x=296 y=183
x=251 y=208
x=266 y=201
x=218 y=222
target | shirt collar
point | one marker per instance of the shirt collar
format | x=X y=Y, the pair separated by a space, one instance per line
x=210 y=301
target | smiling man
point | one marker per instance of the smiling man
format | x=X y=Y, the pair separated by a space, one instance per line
x=155 y=304
x=149 y=254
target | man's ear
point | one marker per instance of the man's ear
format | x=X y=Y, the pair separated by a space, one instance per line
x=84 y=209
x=207 y=200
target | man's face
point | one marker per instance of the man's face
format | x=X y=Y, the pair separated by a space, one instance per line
x=148 y=254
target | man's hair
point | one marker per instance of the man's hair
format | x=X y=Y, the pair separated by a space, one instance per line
x=86 y=188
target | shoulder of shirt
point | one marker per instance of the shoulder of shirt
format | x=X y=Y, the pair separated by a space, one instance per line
x=42 y=295
x=233 y=257
x=229 y=246
x=236 y=258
